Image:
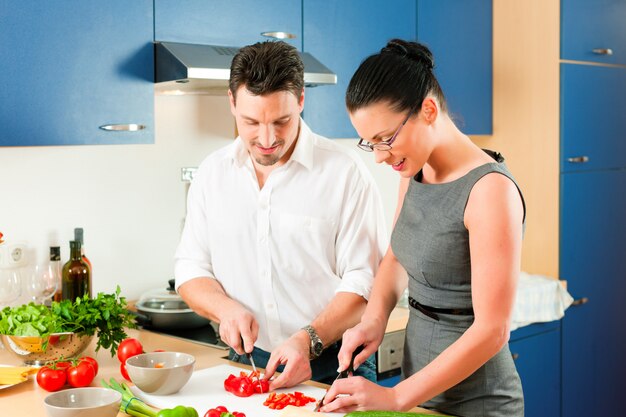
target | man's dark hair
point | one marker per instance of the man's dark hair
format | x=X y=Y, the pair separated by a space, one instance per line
x=267 y=67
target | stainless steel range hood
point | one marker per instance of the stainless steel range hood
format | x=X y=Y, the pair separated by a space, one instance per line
x=183 y=68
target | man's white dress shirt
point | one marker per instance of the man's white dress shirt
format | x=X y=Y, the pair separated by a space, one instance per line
x=283 y=251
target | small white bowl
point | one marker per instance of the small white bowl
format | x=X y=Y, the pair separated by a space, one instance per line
x=160 y=373
x=83 y=402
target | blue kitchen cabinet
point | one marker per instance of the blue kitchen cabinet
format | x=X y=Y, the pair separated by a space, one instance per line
x=459 y=33
x=593 y=126
x=593 y=261
x=341 y=34
x=591 y=28
x=226 y=22
x=71 y=66
x=537 y=358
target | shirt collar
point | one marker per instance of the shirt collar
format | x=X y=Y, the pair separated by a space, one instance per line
x=302 y=154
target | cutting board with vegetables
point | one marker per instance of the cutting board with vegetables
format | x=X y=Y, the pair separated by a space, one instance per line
x=205 y=390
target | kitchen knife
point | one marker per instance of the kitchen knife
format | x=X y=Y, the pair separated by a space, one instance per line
x=343 y=374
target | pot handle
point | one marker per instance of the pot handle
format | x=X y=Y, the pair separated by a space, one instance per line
x=141 y=319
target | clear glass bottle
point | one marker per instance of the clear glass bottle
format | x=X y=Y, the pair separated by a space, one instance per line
x=76 y=274
x=54 y=267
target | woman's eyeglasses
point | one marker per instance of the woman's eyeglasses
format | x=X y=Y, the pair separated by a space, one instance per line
x=384 y=145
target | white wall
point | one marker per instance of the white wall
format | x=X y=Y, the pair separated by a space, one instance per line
x=128 y=198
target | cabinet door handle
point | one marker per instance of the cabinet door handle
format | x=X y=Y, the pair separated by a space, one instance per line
x=603 y=51
x=515 y=356
x=578 y=159
x=279 y=35
x=130 y=127
x=580 y=301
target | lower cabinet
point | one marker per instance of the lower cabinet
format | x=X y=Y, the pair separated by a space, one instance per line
x=538 y=361
x=592 y=249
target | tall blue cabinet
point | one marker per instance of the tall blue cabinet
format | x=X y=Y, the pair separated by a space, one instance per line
x=593 y=204
x=71 y=69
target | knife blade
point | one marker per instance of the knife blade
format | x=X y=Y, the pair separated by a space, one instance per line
x=251 y=359
x=343 y=374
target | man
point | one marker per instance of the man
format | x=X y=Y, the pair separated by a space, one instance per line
x=284 y=228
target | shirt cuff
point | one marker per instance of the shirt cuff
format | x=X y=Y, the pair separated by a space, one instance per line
x=357 y=282
x=186 y=271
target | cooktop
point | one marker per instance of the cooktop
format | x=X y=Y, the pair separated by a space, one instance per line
x=204 y=335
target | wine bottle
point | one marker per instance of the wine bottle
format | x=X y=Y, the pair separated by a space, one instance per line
x=79 y=236
x=55 y=271
x=76 y=274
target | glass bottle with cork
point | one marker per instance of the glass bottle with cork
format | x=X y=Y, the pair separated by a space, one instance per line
x=76 y=274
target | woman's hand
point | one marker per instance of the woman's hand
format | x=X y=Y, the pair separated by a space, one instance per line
x=368 y=334
x=357 y=393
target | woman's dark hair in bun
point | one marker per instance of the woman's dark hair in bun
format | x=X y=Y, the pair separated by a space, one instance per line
x=401 y=73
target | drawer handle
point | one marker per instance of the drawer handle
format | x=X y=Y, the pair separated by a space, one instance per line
x=603 y=51
x=578 y=159
x=279 y=35
x=130 y=127
x=515 y=356
x=580 y=301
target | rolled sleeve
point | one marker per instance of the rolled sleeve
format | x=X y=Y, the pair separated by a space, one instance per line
x=193 y=255
x=362 y=238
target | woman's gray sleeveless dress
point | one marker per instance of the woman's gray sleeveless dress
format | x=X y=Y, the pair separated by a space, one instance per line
x=431 y=242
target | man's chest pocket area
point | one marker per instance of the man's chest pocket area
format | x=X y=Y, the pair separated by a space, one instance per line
x=306 y=233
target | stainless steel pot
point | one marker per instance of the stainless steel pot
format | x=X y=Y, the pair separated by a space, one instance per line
x=165 y=309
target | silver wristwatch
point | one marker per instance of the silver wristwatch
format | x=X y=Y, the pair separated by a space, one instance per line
x=316 y=347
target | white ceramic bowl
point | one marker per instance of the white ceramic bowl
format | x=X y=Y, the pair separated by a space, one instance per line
x=160 y=373
x=83 y=402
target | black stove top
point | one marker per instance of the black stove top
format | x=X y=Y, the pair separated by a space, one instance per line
x=202 y=335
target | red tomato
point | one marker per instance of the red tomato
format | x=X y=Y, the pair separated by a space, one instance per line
x=238 y=414
x=129 y=347
x=61 y=365
x=80 y=375
x=92 y=361
x=221 y=409
x=51 y=379
x=124 y=372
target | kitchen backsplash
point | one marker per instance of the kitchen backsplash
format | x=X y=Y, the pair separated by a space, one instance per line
x=129 y=198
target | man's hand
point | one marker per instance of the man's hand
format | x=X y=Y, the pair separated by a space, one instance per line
x=294 y=354
x=238 y=325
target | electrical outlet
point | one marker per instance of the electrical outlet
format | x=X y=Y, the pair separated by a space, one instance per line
x=187 y=173
x=391 y=351
x=13 y=255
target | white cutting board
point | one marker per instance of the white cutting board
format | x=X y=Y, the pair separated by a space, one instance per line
x=205 y=390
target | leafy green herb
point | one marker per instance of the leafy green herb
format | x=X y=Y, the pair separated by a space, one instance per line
x=104 y=315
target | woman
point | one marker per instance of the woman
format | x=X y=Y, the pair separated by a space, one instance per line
x=456 y=241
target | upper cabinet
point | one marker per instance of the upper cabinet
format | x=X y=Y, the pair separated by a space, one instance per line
x=593 y=126
x=341 y=34
x=459 y=33
x=73 y=68
x=594 y=31
x=226 y=22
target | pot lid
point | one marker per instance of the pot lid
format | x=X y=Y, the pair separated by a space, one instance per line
x=152 y=305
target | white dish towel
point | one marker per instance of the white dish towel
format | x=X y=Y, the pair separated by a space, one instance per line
x=539 y=299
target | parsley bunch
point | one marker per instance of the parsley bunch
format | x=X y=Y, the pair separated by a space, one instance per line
x=105 y=315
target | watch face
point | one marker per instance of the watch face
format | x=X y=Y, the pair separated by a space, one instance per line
x=318 y=347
